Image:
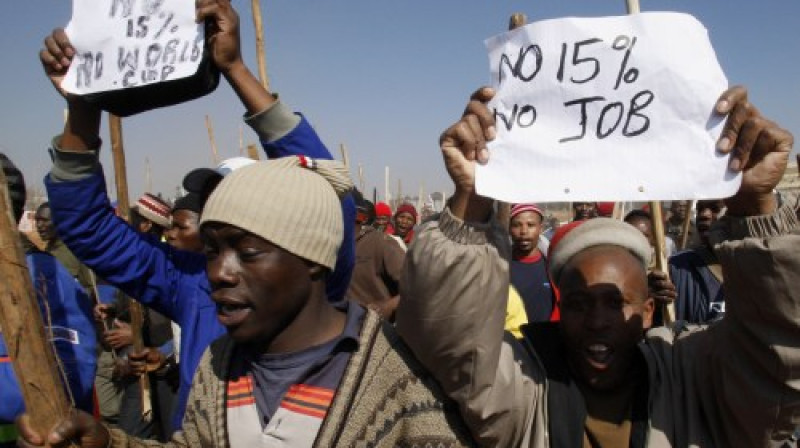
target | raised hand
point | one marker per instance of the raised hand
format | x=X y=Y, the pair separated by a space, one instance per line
x=463 y=145
x=760 y=150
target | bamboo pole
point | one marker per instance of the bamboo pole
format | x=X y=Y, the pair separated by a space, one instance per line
x=658 y=221
x=503 y=216
x=241 y=141
x=687 y=224
x=345 y=158
x=252 y=151
x=33 y=357
x=214 y=152
x=260 y=53
x=386 y=194
x=135 y=309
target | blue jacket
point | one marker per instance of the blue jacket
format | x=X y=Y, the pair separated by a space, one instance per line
x=74 y=337
x=170 y=281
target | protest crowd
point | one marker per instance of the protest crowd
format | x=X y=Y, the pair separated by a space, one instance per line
x=274 y=305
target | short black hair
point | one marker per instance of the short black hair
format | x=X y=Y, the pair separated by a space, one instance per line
x=638 y=214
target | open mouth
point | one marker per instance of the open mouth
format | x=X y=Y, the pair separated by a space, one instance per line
x=599 y=355
x=231 y=315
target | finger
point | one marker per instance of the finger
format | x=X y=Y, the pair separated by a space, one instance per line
x=26 y=431
x=734 y=103
x=60 y=36
x=477 y=107
x=205 y=9
x=748 y=134
x=729 y=98
x=460 y=137
x=480 y=142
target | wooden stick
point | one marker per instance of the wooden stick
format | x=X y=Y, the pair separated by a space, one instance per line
x=687 y=224
x=503 y=215
x=135 y=309
x=214 y=152
x=33 y=357
x=260 y=53
x=252 y=151
x=361 y=177
x=658 y=221
x=345 y=158
x=241 y=141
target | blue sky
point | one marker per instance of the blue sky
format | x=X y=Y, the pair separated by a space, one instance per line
x=384 y=78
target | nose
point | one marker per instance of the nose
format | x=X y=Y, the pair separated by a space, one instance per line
x=222 y=270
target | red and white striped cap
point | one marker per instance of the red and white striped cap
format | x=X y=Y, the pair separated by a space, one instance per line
x=153 y=208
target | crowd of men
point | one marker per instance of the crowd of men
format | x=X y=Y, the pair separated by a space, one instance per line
x=283 y=309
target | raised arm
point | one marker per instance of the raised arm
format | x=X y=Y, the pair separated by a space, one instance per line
x=143 y=268
x=454 y=290
x=755 y=349
x=281 y=131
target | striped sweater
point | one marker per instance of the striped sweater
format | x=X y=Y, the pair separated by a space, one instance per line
x=385 y=399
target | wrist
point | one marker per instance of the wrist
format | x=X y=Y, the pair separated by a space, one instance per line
x=469 y=206
x=752 y=204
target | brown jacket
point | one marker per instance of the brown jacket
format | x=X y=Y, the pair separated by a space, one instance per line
x=376 y=274
x=385 y=399
x=734 y=383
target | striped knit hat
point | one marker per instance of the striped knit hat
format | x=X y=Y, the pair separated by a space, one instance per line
x=292 y=202
x=516 y=209
x=153 y=208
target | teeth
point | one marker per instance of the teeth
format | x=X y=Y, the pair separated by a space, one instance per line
x=598 y=348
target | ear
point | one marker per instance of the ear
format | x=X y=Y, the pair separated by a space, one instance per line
x=648 y=308
x=145 y=226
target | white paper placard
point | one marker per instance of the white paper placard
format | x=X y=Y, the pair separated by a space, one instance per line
x=128 y=43
x=606 y=109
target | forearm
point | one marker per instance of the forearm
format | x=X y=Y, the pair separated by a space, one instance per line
x=452 y=315
x=250 y=91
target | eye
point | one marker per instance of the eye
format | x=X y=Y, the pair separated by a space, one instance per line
x=210 y=251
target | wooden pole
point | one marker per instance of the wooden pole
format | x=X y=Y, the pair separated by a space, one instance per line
x=687 y=225
x=260 y=53
x=503 y=215
x=252 y=151
x=148 y=175
x=32 y=356
x=386 y=194
x=345 y=158
x=361 y=177
x=135 y=309
x=241 y=141
x=214 y=152
x=658 y=221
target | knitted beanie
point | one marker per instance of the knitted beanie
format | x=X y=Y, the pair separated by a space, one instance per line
x=292 y=202
x=516 y=209
x=383 y=209
x=153 y=208
x=570 y=240
x=407 y=208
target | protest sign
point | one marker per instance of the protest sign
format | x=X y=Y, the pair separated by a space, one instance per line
x=130 y=43
x=612 y=108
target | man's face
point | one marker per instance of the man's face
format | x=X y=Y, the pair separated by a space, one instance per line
x=584 y=210
x=259 y=288
x=645 y=226
x=381 y=221
x=708 y=212
x=44 y=225
x=679 y=209
x=185 y=233
x=525 y=229
x=403 y=222
x=604 y=311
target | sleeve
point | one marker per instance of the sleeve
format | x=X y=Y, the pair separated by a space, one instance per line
x=138 y=265
x=755 y=349
x=452 y=314
x=284 y=133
